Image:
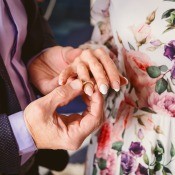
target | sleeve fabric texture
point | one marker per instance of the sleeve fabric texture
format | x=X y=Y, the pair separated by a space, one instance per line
x=25 y=141
x=39 y=37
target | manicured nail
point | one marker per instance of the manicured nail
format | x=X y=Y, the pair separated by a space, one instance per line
x=104 y=89
x=126 y=80
x=116 y=86
x=88 y=90
x=116 y=90
x=76 y=84
x=60 y=82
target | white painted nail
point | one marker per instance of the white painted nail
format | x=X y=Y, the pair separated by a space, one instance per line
x=88 y=90
x=60 y=82
x=103 y=89
x=116 y=90
x=116 y=86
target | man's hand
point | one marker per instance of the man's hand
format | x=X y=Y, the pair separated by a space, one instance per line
x=53 y=131
x=45 y=69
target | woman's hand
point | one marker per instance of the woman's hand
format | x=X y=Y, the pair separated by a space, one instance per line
x=96 y=63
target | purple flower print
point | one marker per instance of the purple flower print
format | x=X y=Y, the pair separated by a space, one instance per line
x=141 y=170
x=128 y=163
x=170 y=50
x=173 y=72
x=156 y=43
x=136 y=149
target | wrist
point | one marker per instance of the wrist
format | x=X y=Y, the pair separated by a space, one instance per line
x=69 y=54
x=28 y=123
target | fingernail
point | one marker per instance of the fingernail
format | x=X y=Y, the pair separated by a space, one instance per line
x=126 y=80
x=76 y=84
x=104 y=89
x=116 y=90
x=88 y=90
x=116 y=86
x=60 y=82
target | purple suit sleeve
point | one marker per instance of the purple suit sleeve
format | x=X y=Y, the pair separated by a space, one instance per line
x=25 y=142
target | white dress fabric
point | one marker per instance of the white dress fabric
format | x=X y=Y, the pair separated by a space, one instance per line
x=138 y=136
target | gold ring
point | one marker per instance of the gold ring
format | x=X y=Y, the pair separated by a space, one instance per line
x=85 y=82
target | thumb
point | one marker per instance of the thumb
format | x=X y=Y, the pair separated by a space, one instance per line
x=62 y=95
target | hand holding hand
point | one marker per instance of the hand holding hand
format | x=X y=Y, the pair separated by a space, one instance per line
x=60 y=63
x=98 y=63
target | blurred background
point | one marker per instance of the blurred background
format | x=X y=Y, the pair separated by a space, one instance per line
x=71 y=25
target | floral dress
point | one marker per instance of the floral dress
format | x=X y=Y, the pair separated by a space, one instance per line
x=138 y=136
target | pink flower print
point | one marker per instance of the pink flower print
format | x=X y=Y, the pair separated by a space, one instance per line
x=123 y=120
x=104 y=141
x=136 y=64
x=163 y=104
x=111 y=164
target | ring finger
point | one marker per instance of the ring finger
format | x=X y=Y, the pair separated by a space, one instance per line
x=83 y=74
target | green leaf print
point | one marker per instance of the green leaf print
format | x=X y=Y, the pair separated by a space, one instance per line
x=158 y=151
x=167 y=13
x=121 y=171
x=146 y=109
x=172 y=151
x=163 y=68
x=159 y=158
x=151 y=172
x=160 y=145
x=153 y=71
x=146 y=159
x=169 y=89
x=167 y=170
x=161 y=86
x=94 y=170
x=102 y=163
x=117 y=146
x=163 y=172
x=157 y=167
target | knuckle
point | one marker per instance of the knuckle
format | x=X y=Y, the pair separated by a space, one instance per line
x=86 y=53
x=100 y=51
x=81 y=67
x=101 y=73
x=63 y=73
x=96 y=65
x=38 y=110
x=61 y=92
